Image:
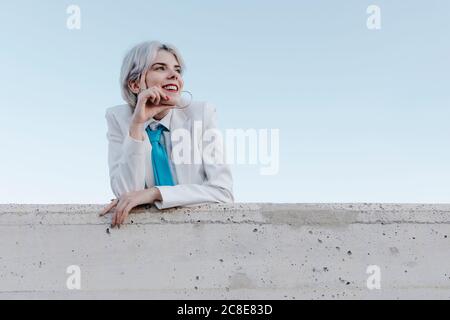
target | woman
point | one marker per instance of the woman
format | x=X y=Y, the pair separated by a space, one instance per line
x=143 y=133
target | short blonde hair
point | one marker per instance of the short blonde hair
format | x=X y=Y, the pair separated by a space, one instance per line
x=139 y=59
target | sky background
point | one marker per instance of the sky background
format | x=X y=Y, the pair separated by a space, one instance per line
x=363 y=114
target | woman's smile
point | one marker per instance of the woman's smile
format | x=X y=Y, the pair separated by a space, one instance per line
x=171 y=87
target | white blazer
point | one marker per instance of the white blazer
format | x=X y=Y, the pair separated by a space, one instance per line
x=130 y=165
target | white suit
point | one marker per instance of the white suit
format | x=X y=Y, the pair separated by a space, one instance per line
x=130 y=165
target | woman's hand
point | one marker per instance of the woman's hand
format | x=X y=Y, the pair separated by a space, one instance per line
x=127 y=202
x=150 y=102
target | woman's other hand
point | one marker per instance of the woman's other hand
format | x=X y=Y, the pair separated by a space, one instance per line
x=127 y=202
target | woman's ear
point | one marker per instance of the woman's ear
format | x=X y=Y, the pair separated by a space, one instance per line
x=134 y=86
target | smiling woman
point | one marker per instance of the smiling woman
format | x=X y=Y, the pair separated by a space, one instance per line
x=141 y=137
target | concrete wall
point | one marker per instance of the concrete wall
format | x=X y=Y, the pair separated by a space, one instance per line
x=239 y=251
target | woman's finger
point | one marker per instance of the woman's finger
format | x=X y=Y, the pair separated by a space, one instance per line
x=114 y=219
x=142 y=85
x=150 y=96
x=145 y=95
x=116 y=213
x=153 y=97
x=162 y=94
x=109 y=207
x=126 y=212
x=122 y=205
x=157 y=96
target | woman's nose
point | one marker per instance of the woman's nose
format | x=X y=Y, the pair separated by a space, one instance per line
x=173 y=74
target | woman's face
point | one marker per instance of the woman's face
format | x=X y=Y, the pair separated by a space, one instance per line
x=165 y=72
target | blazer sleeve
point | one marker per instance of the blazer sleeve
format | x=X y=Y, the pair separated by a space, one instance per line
x=126 y=159
x=218 y=184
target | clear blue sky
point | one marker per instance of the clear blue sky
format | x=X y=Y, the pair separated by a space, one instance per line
x=363 y=115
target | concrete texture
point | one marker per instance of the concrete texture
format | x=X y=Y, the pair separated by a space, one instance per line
x=237 y=251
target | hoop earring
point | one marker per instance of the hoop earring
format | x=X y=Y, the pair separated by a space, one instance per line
x=190 y=101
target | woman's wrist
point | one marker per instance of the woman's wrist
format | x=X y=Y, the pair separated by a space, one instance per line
x=156 y=194
x=136 y=131
x=150 y=195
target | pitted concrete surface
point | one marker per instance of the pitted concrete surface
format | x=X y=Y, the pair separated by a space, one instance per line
x=227 y=251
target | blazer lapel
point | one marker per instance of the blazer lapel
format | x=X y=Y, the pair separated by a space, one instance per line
x=180 y=120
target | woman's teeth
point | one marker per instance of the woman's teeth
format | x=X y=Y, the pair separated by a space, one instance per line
x=170 y=88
